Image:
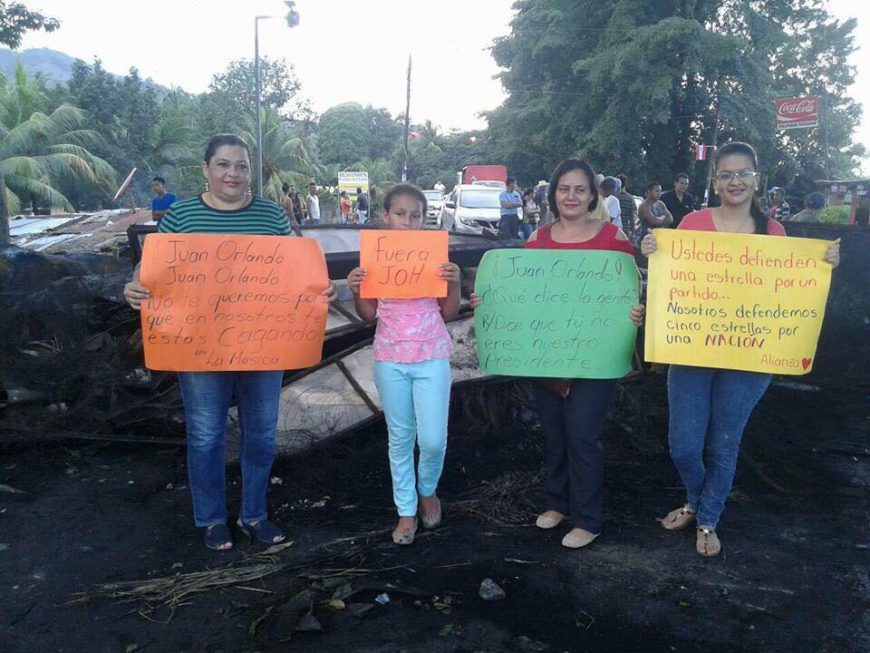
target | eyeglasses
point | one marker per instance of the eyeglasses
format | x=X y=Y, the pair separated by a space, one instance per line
x=744 y=175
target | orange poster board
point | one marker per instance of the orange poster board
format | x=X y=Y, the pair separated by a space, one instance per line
x=402 y=264
x=232 y=302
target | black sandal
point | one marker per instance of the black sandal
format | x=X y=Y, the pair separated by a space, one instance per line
x=217 y=537
x=263 y=531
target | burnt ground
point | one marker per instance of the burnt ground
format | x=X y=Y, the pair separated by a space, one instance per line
x=793 y=577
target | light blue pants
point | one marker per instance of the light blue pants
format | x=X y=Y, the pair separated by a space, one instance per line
x=416 y=399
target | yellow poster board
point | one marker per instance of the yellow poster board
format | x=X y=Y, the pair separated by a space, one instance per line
x=736 y=301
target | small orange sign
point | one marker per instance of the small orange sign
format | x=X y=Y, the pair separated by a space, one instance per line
x=232 y=303
x=402 y=264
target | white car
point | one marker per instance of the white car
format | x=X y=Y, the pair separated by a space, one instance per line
x=434 y=206
x=472 y=209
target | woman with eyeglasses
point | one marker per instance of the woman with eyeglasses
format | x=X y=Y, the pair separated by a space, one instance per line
x=709 y=407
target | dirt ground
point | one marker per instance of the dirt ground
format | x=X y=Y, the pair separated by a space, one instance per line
x=794 y=575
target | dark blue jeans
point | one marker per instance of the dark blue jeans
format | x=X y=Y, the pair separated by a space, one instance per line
x=709 y=409
x=207 y=397
x=574 y=475
x=509 y=226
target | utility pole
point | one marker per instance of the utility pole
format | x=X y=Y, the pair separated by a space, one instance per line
x=827 y=128
x=292 y=19
x=257 y=92
x=711 y=155
x=407 y=121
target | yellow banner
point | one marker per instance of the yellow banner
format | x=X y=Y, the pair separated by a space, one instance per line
x=736 y=301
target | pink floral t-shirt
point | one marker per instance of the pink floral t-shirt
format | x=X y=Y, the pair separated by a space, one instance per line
x=411 y=331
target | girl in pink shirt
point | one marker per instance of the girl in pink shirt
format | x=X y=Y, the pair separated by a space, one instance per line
x=412 y=373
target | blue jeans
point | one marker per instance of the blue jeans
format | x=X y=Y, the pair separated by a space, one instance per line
x=709 y=409
x=509 y=226
x=574 y=469
x=207 y=397
x=416 y=399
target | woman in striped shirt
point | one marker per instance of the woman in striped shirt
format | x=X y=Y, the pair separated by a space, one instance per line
x=226 y=207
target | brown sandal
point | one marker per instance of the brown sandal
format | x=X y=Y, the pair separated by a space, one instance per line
x=707 y=542
x=678 y=519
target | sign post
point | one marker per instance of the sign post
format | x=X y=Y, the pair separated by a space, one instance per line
x=797 y=112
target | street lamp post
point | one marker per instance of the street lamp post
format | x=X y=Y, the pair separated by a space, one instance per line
x=292 y=19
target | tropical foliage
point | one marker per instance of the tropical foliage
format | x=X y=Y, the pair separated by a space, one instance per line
x=45 y=154
x=630 y=85
x=633 y=85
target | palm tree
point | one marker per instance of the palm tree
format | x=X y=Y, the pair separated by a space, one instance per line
x=430 y=136
x=47 y=151
x=41 y=153
x=173 y=153
x=286 y=154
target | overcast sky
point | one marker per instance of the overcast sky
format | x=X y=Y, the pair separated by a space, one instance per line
x=342 y=50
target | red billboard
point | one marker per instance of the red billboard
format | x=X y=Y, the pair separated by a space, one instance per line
x=797 y=112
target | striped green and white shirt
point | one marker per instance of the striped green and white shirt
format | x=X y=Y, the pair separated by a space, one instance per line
x=193 y=216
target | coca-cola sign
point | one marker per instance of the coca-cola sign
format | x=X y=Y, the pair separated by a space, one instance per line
x=795 y=112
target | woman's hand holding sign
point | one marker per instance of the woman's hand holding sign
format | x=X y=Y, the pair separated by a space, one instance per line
x=135 y=293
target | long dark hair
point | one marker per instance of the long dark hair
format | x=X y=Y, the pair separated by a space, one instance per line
x=569 y=165
x=219 y=140
x=759 y=218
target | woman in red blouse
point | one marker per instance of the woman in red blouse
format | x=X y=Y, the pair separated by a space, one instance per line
x=573 y=411
x=708 y=407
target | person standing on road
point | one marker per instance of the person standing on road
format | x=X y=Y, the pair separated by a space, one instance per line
x=531 y=214
x=162 y=200
x=652 y=213
x=227 y=208
x=344 y=206
x=288 y=206
x=312 y=201
x=611 y=202
x=541 y=200
x=362 y=205
x=779 y=208
x=709 y=407
x=813 y=205
x=627 y=207
x=511 y=203
x=679 y=202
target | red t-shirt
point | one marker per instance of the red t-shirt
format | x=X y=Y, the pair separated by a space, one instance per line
x=605 y=239
x=703 y=221
x=345 y=207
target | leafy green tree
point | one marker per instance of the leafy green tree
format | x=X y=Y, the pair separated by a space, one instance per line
x=343 y=134
x=126 y=111
x=15 y=20
x=431 y=164
x=386 y=133
x=633 y=85
x=286 y=156
x=280 y=88
x=46 y=154
x=176 y=151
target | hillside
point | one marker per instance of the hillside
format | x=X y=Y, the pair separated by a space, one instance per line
x=55 y=65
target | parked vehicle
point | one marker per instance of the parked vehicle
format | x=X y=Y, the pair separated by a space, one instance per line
x=491 y=183
x=472 y=209
x=434 y=206
x=477 y=173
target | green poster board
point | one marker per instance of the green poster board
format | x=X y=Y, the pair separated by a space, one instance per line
x=556 y=313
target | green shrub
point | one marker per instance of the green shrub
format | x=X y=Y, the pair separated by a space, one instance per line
x=836 y=214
